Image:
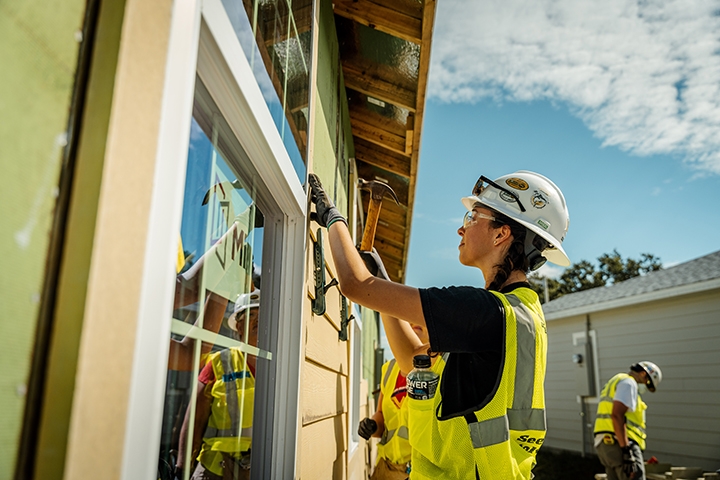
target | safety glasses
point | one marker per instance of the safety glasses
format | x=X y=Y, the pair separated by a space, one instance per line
x=479 y=188
x=472 y=217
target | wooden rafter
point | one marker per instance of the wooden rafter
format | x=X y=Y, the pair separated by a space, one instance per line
x=283 y=26
x=378 y=81
x=428 y=22
x=380 y=18
x=364 y=127
x=385 y=159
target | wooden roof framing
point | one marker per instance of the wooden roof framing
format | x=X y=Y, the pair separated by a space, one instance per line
x=386 y=99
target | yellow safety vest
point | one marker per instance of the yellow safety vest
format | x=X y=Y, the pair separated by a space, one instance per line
x=229 y=427
x=634 y=421
x=501 y=440
x=394 y=444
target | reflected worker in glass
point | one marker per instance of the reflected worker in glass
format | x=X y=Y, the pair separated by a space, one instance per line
x=222 y=432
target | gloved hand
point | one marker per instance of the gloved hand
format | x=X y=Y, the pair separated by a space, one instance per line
x=367 y=427
x=374 y=263
x=630 y=465
x=325 y=211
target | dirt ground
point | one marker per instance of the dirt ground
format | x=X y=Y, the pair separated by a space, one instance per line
x=553 y=465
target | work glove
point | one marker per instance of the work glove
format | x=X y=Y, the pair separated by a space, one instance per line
x=367 y=427
x=630 y=464
x=325 y=211
x=374 y=263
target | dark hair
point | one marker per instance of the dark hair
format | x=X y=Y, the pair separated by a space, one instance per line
x=515 y=258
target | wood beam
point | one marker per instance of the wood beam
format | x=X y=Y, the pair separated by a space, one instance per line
x=277 y=29
x=428 y=22
x=391 y=234
x=380 y=18
x=365 y=128
x=385 y=159
x=378 y=81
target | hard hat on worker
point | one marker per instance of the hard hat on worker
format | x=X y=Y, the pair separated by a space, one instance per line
x=533 y=201
x=653 y=372
x=244 y=302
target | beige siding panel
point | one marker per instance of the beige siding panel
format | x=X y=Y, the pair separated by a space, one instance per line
x=324 y=393
x=322 y=449
x=332 y=296
x=323 y=345
x=680 y=335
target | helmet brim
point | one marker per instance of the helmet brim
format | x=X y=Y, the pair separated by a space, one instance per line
x=555 y=255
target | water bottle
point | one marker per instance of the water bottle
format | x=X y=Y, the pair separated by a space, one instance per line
x=421 y=381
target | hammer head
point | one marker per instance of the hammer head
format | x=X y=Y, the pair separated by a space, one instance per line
x=377 y=189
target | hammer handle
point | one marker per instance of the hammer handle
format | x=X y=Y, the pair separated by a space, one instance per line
x=371 y=221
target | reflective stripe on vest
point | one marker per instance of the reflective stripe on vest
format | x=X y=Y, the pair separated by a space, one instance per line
x=229 y=378
x=387 y=435
x=388 y=372
x=521 y=416
x=634 y=421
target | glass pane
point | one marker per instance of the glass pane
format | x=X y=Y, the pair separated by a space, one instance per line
x=276 y=37
x=207 y=421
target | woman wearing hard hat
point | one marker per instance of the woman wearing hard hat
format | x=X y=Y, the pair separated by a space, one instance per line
x=488 y=418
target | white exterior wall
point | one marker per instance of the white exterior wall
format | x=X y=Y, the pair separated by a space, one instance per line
x=681 y=335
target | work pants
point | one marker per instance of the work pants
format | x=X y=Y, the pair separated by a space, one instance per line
x=612 y=459
x=386 y=470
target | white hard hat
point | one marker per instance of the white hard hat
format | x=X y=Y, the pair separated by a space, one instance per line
x=533 y=201
x=653 y=371
x=244 y=302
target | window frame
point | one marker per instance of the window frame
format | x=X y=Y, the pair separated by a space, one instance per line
x=202 y=42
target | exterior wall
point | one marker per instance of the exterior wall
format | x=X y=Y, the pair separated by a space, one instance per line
x=38 y=42
x=681 y=335
x=325 y=448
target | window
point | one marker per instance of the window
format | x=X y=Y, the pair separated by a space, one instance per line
x=214 y=351
x=277 y=40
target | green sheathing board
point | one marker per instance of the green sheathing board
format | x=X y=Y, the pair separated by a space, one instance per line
x=38 y=52
x=332 y=135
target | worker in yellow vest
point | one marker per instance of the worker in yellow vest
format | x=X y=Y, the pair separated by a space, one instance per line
x=389 y=422
x=224 y=404
x=491 y=421
x=620 y=422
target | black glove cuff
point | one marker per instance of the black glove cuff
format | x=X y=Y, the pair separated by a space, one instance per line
x=334 y=215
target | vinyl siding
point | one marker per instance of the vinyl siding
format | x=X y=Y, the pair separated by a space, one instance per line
x=679 y=334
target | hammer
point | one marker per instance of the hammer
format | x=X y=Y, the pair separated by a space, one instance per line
x=377 y=191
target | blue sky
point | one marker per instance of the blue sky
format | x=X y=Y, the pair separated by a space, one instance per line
x=618 y=103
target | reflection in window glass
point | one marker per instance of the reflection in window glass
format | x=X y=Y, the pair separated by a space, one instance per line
x=277 y=40
x=207 y=422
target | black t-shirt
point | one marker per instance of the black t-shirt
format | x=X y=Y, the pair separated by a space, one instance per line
x=469 y=323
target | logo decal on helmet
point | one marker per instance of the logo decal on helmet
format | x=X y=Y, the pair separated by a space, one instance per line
x=543 y=224
x=517 y=183
x=507 y=197
x=539 y=199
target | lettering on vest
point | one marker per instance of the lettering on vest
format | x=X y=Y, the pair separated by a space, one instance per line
x=232 y=376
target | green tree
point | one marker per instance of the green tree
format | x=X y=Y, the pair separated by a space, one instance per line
x=584 y=275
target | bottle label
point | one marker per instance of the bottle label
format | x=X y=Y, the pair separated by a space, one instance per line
x=422 y=389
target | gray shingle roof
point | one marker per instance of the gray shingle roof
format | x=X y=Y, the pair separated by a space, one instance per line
x=694 y=271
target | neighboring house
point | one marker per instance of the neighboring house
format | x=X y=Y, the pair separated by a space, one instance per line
x=151 y=139
x=670 y=317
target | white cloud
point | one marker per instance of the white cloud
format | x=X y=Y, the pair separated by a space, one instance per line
x=550 y=271
x=644 y=76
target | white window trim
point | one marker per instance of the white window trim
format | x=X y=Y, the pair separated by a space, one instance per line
x=202 y=38
x=354 y=379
